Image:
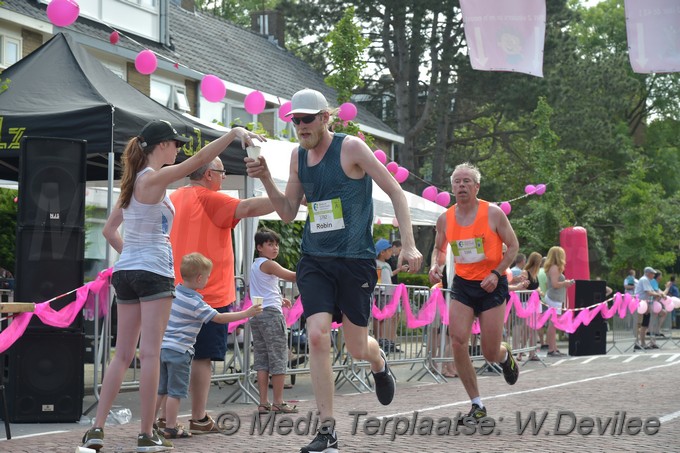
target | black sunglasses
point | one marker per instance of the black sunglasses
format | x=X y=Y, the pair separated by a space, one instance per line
x=179 y=144
x=304 y=119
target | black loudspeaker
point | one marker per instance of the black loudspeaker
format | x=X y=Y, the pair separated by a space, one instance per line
x=43 y=374
x=52 y=182
x=590 y=339
x=49 y=262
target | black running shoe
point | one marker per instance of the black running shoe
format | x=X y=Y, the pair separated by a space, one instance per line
x=384 y=383
x=324 y=442
x=476 y=413
x=510 y=368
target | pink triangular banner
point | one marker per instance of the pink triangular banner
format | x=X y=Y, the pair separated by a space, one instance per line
x=653 y=29
x=505 y=35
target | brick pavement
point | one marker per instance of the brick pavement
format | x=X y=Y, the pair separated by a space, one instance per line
x=643 y=385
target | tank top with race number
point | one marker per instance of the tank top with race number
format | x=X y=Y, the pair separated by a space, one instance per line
x=476 y=249
x=339 y=208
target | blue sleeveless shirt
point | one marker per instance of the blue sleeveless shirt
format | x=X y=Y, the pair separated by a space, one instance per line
x=347 y=233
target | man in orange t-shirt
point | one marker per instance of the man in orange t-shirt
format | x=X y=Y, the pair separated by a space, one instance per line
x=204 y=220
x=476 y=231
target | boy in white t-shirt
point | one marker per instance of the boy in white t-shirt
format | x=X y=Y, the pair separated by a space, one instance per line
x=270 y=341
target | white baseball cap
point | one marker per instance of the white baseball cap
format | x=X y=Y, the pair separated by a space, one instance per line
x=307 y=101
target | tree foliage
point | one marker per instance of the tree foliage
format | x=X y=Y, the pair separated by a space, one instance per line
x=8 y=226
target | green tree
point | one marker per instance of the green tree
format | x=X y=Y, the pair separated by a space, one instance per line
x=8 y=227
x=346 y=56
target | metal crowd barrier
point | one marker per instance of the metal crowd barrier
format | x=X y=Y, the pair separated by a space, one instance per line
x=424 y=349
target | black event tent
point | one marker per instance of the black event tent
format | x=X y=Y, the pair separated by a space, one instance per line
x=60 y=90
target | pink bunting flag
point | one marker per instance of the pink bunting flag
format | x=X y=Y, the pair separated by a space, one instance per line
x=505 y=35
x=653 y=33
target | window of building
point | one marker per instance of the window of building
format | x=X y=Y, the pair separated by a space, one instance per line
x=10 y=50
x=170 y=95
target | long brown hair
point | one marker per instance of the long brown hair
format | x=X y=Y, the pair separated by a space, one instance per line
x=533 y=264
x=134 y=160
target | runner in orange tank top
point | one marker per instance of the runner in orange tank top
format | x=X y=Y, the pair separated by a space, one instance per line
x=476 y=231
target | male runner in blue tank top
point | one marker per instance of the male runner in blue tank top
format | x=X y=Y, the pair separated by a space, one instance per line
x=336 y=274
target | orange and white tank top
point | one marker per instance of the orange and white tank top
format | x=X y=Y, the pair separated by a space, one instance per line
x=476 y=249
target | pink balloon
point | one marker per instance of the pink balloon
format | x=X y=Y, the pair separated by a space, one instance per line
x=506 y=208
x=392 y=167
x=146 y=62
x=633 y=305
x=212 y=88
x=668 y=304
x=378 y=221
x=540 y=189
x=63 y=13
x=380 y=155
x=283 y=111
x=114 y=37
x=443 y=199
x=401 y=175
x=348 y=111
x=656 y=306
x=430 y=193
x=255 y=103
x=642 y=307
x=395 y=223
x=529 y=189
x=16 y=199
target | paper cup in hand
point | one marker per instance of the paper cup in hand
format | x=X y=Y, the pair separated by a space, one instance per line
x=257 y=300
x=253 y=152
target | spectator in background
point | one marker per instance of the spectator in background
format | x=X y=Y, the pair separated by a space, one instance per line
x=629 y=282
x=673 y=291
x=655 y=330
x=394 y=262
x=530 y=273
x=556 y=294
x=543 y=288
x=518 y=265
x=385 y=330
x=645 y=291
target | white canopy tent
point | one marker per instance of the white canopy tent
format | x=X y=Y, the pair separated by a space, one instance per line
x=277 y=155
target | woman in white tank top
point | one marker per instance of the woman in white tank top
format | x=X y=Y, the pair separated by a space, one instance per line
x=144 y=277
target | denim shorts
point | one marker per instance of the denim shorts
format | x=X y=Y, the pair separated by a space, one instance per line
x=133 y=287
x=337 y=286
x=174 y=373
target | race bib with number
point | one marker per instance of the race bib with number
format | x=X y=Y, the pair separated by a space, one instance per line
x=468 y=250
x=325 y=215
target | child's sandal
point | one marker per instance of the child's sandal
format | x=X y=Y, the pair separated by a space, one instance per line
x=176 y=433
x=264 y=408
x=284 y=408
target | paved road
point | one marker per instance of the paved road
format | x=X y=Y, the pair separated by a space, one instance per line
x=625 y=403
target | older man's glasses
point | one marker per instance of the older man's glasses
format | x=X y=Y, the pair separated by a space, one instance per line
x=304 y=119
x=224 y=172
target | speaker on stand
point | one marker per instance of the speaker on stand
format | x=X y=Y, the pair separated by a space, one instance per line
x=590 y=339
x=43 y=370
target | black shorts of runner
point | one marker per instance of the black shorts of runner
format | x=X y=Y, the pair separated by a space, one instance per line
x=470 y=293
x=211 y=342
x=337 y=286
